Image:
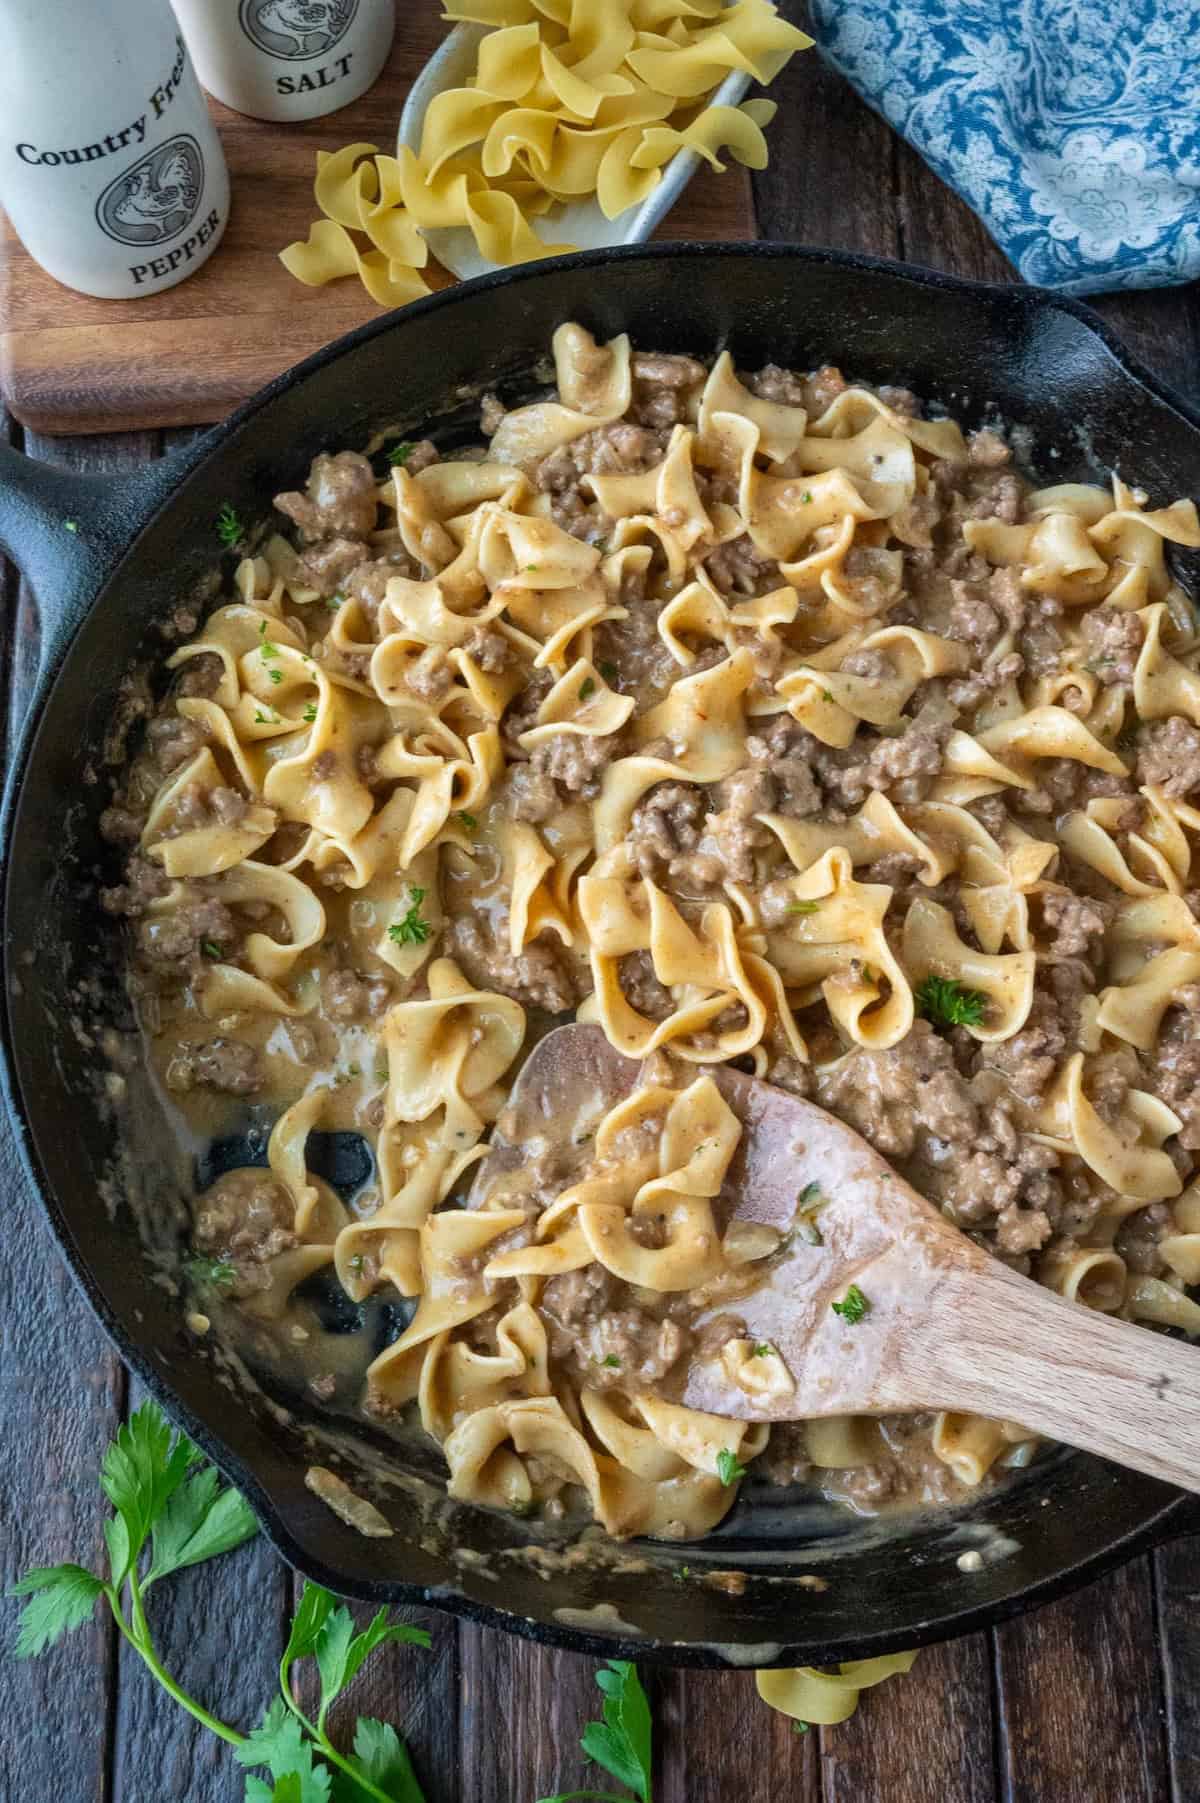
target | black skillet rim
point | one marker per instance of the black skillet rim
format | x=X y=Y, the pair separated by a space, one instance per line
x=1161 y=1524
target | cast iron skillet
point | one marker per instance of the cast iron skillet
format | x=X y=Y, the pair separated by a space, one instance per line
x=141 y=541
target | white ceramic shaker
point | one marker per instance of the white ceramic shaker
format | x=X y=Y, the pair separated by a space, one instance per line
x=288 y=59
x=111 y=170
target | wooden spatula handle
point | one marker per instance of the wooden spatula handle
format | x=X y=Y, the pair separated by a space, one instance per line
x=993 y=1343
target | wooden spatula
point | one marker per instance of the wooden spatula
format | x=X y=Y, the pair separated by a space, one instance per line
x=946 y=1326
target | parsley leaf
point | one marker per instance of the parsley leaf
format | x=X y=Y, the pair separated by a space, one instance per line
x=946 y=1003
x=284 y=1790
x=229 y=527
x=826 y=694
x=275 y=675
x=200 y=1522
x=803 y=907
x=468 y=820
x=806 y=498
x=310 y=712
x=217 y=1272
x=400 y=453
x=279 y=1743
x=141 y=1471
x=587 y=687
x=381 y=1756
x=852 y=1307
x=413 y=929
x=612 y=1361
x=268 y=719
x=341 y=1652
x=762 y=1350
x=728 y=1469
x=622 y=1742
x=63 y=1597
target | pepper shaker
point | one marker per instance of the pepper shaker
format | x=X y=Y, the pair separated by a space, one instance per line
x=288 y=59
x=111 y=170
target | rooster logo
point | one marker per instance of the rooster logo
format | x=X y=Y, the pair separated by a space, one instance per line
x=158 y=197
x=296 y=29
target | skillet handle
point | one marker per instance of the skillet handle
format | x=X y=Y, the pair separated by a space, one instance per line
x=67 y=532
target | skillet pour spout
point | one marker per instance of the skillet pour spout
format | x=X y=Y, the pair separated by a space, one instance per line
x=819 y=1587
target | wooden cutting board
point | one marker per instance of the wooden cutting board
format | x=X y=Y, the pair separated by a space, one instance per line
x=70 y=363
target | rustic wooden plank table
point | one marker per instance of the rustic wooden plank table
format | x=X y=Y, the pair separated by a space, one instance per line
x=1093 y=1700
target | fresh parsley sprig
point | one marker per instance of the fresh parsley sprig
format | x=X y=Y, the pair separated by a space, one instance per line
x=946 y=1003
x=324 y=1630
x=170 y=1511
x=622 y=1742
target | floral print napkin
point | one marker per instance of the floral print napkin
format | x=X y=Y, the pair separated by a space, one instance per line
x=1072 y=127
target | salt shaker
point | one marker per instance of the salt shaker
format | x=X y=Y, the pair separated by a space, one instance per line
x=288 y=59
x=111 y=170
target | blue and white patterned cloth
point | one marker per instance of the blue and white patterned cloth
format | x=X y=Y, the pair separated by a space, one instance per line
x=1072 y=127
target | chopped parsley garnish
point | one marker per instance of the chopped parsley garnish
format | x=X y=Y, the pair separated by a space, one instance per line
x=217 y=1273
x=762 y=1350
x=728 y=1469
x=612 y=1361
x=808 y=1202
x=275 y=675
x=211 y=949
x=806 y=498
x=803 y=907
x=265 y=645
x=310 y=712
x=682 y=1573
x=468 y=820
x=268 y=719
x=852 y=1307
x=413 y=929
x=587 y=687
x=532 y=566
x=801 y=1727
x=71 y=525
x=400 y=453
x=229 y=527
x=946 y=1003
x=335 y=601
x=826 y=694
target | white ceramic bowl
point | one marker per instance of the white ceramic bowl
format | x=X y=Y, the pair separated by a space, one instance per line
x=580 y=222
